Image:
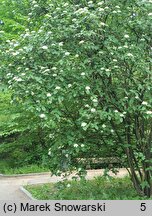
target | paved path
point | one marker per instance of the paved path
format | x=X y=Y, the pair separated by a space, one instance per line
x=9 y=186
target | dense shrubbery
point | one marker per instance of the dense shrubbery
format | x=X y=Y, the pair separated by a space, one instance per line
x=19 y=145
x=84 y=74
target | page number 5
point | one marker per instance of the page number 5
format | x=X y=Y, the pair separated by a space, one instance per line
x=143 y=207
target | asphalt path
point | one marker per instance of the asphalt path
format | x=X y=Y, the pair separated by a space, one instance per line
x=10 y=185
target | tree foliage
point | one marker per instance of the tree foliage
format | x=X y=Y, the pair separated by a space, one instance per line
x=85 y=71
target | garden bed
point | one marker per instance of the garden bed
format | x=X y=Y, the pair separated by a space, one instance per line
x=99 y=188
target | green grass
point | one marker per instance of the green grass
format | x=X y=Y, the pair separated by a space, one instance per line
x=7 y=170
x=99 y=188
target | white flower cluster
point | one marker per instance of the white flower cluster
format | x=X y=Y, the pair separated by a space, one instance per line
x=93 y=110
x=76 y=55
x=83 y=124
x=66 y=53
x=82 y=10
x=49 y=152
x=87 y=88
x=100 y=3
x=130 y=55
x=42 y=115
x=100 y=9
x=44 y=47
x=57 y=87
x=81 y=42
x=95 y=100
x=18 y=79
x=54 y=68
x=149 y=112
x=48 y=95
x=144 y=103
x=126 y=36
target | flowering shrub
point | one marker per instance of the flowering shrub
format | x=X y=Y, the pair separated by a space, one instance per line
x=86 y=73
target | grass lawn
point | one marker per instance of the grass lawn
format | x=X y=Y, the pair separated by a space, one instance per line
x=99 y=188
x=5 y=168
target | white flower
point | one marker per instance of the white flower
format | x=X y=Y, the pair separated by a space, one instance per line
x=82 y=145
x=54 y=68
x=102 y=68
x=48 y=95
x=126 y=36
x=103 y=126
x=82 y=74
x=42 y=115
x=150 y=14
x=101 y=9
x=129 y=54
x=35 y=6
x=66 y=155
x=74 y=20
x=54 y=75
x=83 y=124
x=57 y=87
x=107 y=70
x=66 y=4
x=122 y=115
x=93 y=110
x=68 y=185
x=44 y=47
x=87 y=88
x=116 y=111
x=81 y=42
x=69 y=85
x=137 y=97
x=32 y=93
x=87 y=106
x=149 y=112
x=67 y=53
x=125 y=46
x=18 y=79
x=76 y=55
x=102 y=24
x=47 y=70
x=95 y=100
x=51 y=136
x=49 y=153
x=39 y=31
x=79 y=169
x=117 y=7
x=61 y=44
x=75 y=145
x=100 y=3
x=15 y=53
x=112 y=131
x=144 y=103
x=114 y=60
